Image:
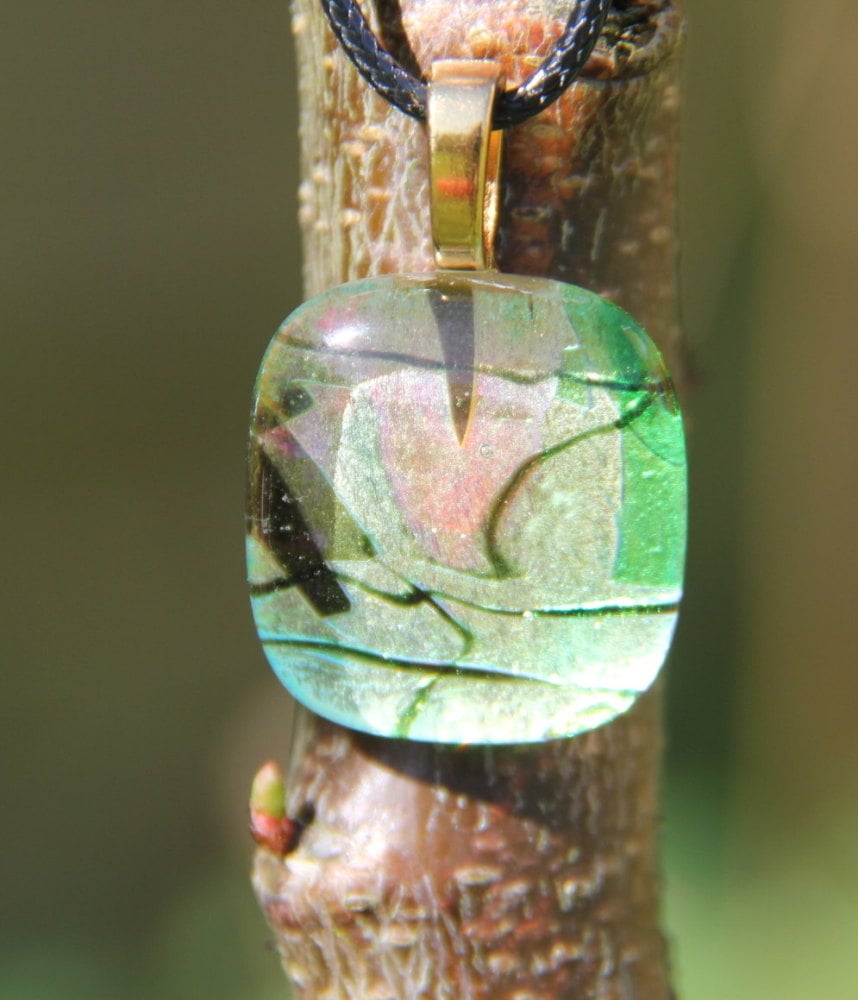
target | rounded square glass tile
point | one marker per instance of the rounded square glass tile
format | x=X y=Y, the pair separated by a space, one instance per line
x=467 y=508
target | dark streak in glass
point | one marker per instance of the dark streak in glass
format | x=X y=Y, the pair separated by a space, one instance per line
x=283 y=527
x=518 y=378
x=453 y=309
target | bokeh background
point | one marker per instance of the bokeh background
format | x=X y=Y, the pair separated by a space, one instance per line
x=149 y=249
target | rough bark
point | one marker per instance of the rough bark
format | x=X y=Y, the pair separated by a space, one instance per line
x=511 y=873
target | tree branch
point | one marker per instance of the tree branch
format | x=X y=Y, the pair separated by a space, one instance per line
x=507 y=873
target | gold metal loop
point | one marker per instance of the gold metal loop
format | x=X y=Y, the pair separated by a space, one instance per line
x=464 y=162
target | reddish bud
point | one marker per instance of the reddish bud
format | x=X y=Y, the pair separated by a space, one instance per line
x=269 y=825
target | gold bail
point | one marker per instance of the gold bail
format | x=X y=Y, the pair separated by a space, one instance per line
x=464 y=162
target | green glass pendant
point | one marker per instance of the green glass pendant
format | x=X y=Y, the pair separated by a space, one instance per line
x=467 y=510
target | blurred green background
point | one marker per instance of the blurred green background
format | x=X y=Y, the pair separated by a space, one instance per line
x=149 y=249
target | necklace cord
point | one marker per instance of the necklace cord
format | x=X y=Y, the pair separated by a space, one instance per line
x=408 y=92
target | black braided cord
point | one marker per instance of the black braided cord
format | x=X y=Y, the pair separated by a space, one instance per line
x=408 y=93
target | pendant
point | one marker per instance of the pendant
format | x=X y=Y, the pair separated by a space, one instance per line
x=467 y=508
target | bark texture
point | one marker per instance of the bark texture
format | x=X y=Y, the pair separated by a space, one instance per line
x=511 y=873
